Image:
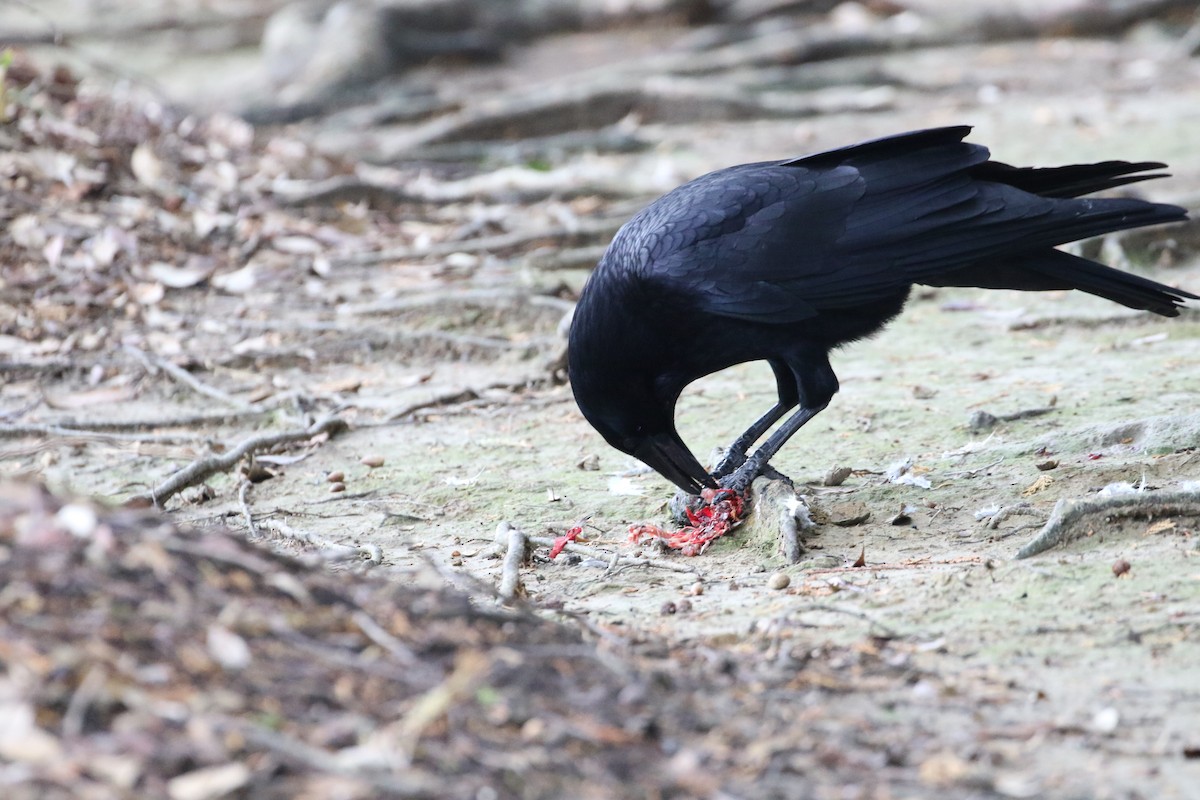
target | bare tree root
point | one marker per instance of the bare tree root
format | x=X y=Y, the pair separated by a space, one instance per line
x=586 y=231
x=1061 y=528
x=71 y=435
x=460 y=396
x=202 y=468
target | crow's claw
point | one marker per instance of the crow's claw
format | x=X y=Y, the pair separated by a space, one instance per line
x=732 y=459
x=740 y=480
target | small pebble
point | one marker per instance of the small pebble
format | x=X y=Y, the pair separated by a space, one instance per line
x=336 y=477
x=372 y=461
x=697 y=589
x=733 y=585
x=456 y=561
x=779 y=580
x=534 y=730
x=1106 y=720
x=1121 y=567
x=667 y=608
x=337 y=487
x=1046 y=466
x=684 y=606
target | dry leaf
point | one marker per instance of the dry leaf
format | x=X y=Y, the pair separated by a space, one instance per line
x=1162 y=526
x=53 y=251
x=1043 y=482
x=148 y=294
x=209 y=783
x=236 y=282
x=28 y=231
x=296 y=245
x=227 y=648
x=146 y=166
x=174 y=277
x=21 y=740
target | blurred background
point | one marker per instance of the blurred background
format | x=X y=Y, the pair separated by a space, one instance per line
x=391 y=81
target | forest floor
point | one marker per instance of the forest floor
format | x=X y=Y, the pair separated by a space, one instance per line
x=175 y=284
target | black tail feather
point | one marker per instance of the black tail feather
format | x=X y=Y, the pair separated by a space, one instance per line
x=1070 y=181
x=1054 y=269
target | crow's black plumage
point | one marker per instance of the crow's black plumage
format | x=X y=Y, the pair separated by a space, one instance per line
x=783 y=261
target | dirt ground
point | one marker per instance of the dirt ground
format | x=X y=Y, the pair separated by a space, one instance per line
x=942 y=667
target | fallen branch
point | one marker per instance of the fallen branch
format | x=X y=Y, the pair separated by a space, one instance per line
x=202 y=468
x=510 y=573
x=1061 y=527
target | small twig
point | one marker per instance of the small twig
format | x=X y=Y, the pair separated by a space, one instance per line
x=223 y=550
x=599 y=632
x=971 y=473
x=460 y=396
x=624 y=561
x=402 y=783
x=200 y=469
x=888 y=631
x=326 y=550
x=17 y=413
x=1060 y=528
x=469 y=668
x=1004 y=512
x=983 y=421
x=188 y=379
x=380 y=636
x=243 y=491
x=85 y=694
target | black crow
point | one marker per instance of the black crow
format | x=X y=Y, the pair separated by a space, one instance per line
x=782 y=261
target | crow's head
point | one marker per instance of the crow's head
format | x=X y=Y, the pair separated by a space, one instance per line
x=634 y=422
x=630 y=405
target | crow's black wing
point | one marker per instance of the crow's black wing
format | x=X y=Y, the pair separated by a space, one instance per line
x=729 y=242
x=781 y=242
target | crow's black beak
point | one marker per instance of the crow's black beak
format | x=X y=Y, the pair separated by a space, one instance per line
x=669 y=456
